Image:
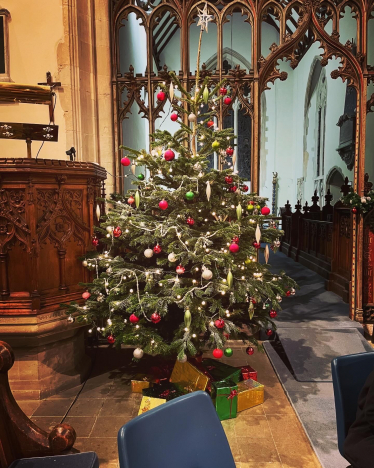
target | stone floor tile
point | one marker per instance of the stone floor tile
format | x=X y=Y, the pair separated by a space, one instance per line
x=82 y=424
x=53 y=407
x=258 y=425
x=117 y=407
x=108 y=426
x=276 y=401
x=96 y=391
x=47 y=423
x=87 y=407
x=253 y=449
x=106 y=450
x=254 y=411
x=28 y=406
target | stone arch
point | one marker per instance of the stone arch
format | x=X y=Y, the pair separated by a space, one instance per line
x=334 y=181
x=229 y=55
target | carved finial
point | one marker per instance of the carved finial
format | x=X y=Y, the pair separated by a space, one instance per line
x=315 y=199
x=328 y=198
x=306 y=207
x=288 y=208
x=298 y=206
x=165 y=67
x=345 y=188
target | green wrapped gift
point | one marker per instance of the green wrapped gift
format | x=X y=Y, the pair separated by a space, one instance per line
x=225 y=399
x=221 y=372
x=164 y=390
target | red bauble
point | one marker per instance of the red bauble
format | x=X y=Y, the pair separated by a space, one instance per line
x=163 y=204
x=354 y=210
x=269 y=332
x=161 y=96
x=223 y=91
x=155 y=317
x=228 y=179
x=226 y=335
x=180 y=269
x=86 y=295
x=210 y=123
x=219 y=323
x=249 y=350
x=169 y=155
x=190 y=221
x=174 y=117
x=254 y=301
x=256 y=245
x=111 y=339
x=157 y=249
x=125 y=162
x=133 y=318
x=245 y=188
x=117 y=231
x=273 y=313
x=95 y=241
x=265 y=210
x=235 y=239
x=252 y=202
x=233 y=188
x=227 y=100
x=230 y=151
x=288 y=293
x=234 y=248
x=217 y=353
x=131 y=200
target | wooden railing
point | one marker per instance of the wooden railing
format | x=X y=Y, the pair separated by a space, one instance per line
x=320 y=239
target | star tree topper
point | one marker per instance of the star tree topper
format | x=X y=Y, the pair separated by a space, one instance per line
x=204 y=18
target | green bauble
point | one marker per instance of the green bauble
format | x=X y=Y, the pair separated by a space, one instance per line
x=190 y=195
x=215 y=145
x=141 y=176
x=250 y=207
x=228 y=352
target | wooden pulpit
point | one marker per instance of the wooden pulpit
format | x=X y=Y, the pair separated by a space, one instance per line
x=47 y=215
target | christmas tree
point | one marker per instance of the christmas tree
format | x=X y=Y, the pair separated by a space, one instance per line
x=180 y=269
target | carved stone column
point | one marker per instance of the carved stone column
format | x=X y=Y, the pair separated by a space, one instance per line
x=47 y=215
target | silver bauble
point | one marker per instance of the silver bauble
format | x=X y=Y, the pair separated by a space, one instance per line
x=148 y=253
x=138 y=353
x=109 y=229
x=85 y=263
x=192 y=117
x=207 y=274
x=171 y=257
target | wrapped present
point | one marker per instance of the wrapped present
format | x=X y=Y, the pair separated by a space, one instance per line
x=164 y=390
x=221 y=372
x=162 y=371
x=149 y=403
x=250 y=393
x=248 y=373
x=139 y=382
x=225 y=398
x=188 y=377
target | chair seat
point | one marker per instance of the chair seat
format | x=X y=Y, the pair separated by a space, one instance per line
x=74 y=460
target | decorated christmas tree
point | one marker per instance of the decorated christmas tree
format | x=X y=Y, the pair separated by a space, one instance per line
x=178 y=268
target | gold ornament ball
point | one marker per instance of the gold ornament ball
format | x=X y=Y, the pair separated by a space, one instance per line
x=215 y=145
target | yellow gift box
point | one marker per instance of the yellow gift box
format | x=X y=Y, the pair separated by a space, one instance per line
x=187 y=376
x=250 y=393
x=139 y=382
x=149 y=403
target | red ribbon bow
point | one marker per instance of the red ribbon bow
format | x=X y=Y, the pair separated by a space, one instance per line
x=232 y=394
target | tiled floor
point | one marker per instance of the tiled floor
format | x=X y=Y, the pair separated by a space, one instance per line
x=269 y=435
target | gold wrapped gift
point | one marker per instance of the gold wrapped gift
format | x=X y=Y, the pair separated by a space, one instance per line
x=149 y=403
x=250 y=393
x=139 y=382
x=188 y=377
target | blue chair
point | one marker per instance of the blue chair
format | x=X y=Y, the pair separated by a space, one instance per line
x=74 y=460
x=349 y=374
x=182 y=433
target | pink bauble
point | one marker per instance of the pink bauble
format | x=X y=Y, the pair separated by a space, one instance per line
x=161 y=96
x=125 y=162
x=180 y=269
x=217 y=353
x=133 y=318
x=86 y=295
x=227 y=100
x=174 y=117
x=169 y=155
x=219 y=323
x=265 y=210
x=234 y=248
x=163 y=204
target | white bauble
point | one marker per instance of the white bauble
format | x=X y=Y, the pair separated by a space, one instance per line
x=148 y=253
x=109 y=229
x=183 y=359
x=207 y=274
x=171 y=257
x=138 y=353
x=109 y=270
x=85 y=263
x=192 y=117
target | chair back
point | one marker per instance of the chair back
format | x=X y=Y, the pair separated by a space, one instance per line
x=182 y=433
x=349 y=374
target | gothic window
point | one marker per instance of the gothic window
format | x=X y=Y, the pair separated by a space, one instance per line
x=4 y=45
